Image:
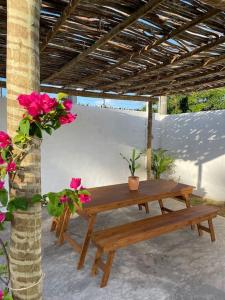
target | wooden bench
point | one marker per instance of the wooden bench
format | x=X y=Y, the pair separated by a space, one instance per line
x=111 y=239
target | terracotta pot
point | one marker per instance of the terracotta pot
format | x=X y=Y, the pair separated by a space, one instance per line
x=133 y=183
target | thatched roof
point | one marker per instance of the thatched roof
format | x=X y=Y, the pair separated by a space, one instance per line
x=154 y=47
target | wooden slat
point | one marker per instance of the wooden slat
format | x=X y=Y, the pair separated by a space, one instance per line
x=124 y=235
x=70 y=8
x=174 y=33
x=149 y=6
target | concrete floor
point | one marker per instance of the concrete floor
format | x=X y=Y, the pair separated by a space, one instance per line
x=176 y=266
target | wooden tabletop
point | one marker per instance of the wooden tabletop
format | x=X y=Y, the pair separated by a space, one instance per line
x=118 y=195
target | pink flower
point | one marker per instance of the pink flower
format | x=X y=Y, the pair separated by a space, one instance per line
x=1 y=160
x=84 y=198
x=75 y=183
x=47 y=103
x=68 y=104
x=5 y=139
x=2 y=219
x=11 y=167
x=64 y=199
x=2 y=184
x=37 y=104
x=32 y=103
x=1 y=292
x=69 y=118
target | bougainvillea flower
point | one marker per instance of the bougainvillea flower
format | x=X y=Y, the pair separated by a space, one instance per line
x=1 y=294
x=2 y=219
x=1 y=160
x=11 y=167
x=32 y=103
x=1 y=184
x=47 y=103
x=75 y=183
x=69 y=118
x=68 y=104
x=84 y=198
x=64 y=199
x=5 y=139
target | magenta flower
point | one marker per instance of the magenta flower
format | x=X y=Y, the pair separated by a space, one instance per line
x=84 y=198
x=2 y=184
x=69 y=118
x=1 y=292
x=2 y=219
x=11 y=167
x=68 y=104
x=5 y=139
x=1 y=160
x=64 y=199
x=75 y=183
x=32 y=103
x=37 y=104
x=47 y=103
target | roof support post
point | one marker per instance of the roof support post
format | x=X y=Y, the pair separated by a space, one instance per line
x=23 y=76
x=149 y=140
x=162 y=109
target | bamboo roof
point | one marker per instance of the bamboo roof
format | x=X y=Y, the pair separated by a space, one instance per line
x=129 y=47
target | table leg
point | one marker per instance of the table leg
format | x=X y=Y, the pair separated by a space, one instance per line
x=188 y=204
x=64 y=225
x=86 y=242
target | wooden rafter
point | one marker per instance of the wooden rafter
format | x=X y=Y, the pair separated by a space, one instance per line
x=173 y=61
x=174 y=33
x=74 y=63
x=184 y=88
x=61 y=21
x=220 y=4
x=52 y=89
x=178 y=72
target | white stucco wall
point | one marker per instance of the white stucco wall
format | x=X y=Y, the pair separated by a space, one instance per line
x=90 y=148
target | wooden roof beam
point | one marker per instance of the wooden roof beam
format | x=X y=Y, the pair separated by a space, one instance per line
x=73 y=64
x=172 y=34
x=220 y=4
x=69 y=9
x=184 y=88
x=176 y=73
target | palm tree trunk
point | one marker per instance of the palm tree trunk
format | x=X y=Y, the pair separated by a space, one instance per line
x=23 y=76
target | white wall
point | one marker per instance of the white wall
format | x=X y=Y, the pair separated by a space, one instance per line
x=90 y=148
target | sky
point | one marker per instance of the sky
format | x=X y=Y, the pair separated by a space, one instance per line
x=109 y=103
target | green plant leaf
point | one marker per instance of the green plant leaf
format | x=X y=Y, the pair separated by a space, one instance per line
x=3 y=197
x=24 y=126
x=36 y=198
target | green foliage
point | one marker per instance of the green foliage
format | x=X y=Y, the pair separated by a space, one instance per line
x=132 y=162
x=213 y=99
x=161 y=162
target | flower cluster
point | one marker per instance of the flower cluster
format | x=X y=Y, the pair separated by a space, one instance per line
x=46 y=113
x=71 y=198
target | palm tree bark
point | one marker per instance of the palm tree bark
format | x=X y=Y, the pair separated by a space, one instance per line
x=23 y=76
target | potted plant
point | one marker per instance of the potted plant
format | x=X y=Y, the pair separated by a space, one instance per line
x=133 y=181
x=161 y=162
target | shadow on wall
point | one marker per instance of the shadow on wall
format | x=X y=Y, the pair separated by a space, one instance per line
x=198 y=137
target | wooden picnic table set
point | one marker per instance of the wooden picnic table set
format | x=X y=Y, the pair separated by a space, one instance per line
x=107 y=198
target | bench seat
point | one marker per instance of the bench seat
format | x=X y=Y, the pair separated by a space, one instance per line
x=111 y=239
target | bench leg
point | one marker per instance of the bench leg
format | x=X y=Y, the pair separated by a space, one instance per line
x=107 y=269
x=200 y=233
x=188 y=204
x=211 y=229
x=64 y=226
x=161 y=206
x=95 y=266
x=145 y=206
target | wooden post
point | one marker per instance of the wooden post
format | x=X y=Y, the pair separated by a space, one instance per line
x=149 y=139
x=23 y=76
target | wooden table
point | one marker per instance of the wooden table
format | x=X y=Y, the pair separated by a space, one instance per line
x=116 y=196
